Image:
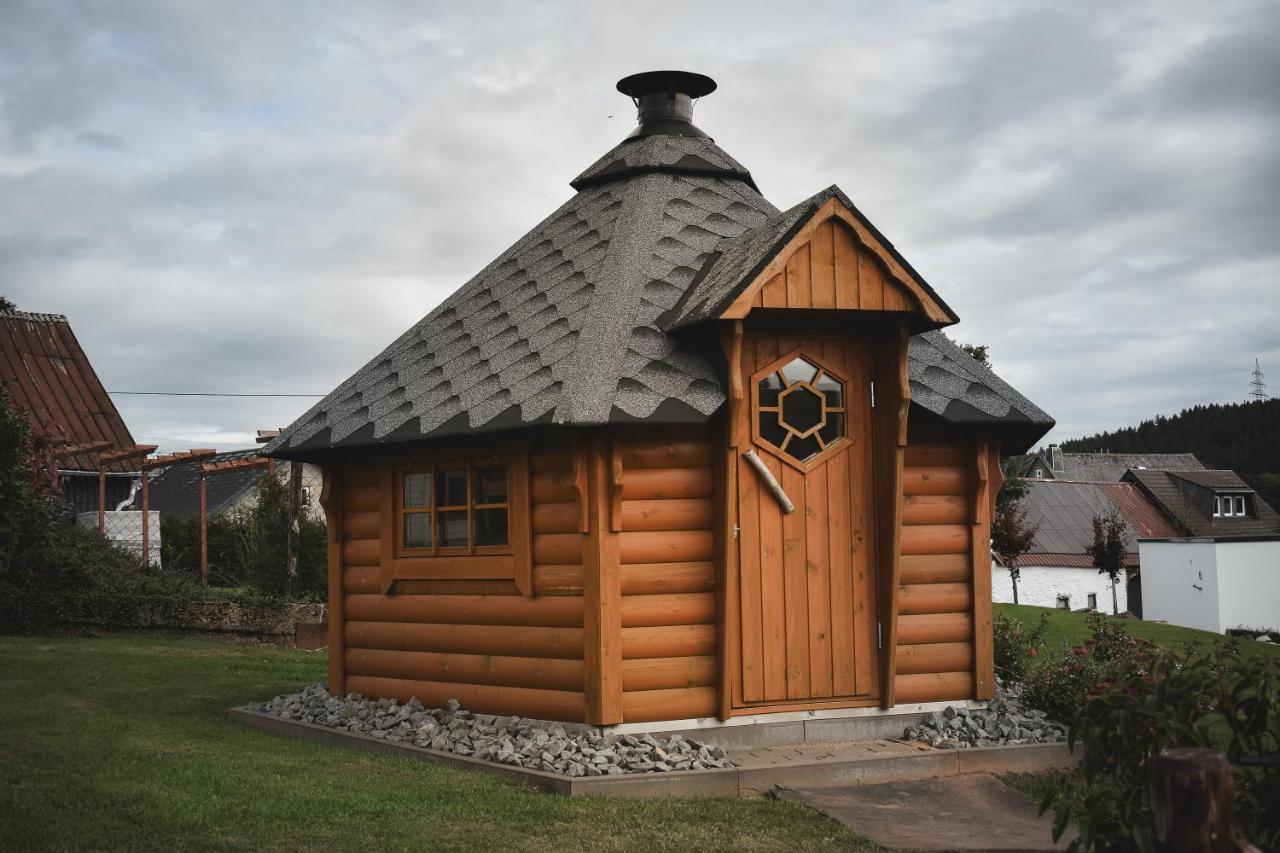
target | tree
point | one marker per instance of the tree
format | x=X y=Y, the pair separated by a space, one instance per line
x=1011 y=534
x=6 y=304
x=1107 y=550
x=978 y=353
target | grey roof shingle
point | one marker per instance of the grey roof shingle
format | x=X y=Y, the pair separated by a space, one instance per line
x=1110 y=467
x=568 y=326
x=1187 y=497
x=175 y=489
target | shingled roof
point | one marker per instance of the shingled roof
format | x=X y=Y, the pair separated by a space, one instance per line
x=1187 y=497
x=572 y=325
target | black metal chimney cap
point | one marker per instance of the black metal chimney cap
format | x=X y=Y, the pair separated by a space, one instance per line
x=649 y=82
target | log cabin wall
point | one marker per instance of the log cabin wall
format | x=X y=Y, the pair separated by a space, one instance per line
x=664 y=516
x=944 y=605
x=494 y=650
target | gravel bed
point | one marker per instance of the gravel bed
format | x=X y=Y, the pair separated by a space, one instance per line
x=1005 y=721
x=505 y=740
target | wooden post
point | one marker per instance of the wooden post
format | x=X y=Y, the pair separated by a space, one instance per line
x=146 y=515
x=331 y=498
x=295 y=530
x=601 y=590
x=204 y=530
x=102 y=500
x=1193 y=802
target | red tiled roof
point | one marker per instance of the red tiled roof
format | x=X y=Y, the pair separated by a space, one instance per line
x=1069 y=561
x=51 y=381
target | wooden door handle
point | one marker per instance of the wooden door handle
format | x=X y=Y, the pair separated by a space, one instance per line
x=772 y=482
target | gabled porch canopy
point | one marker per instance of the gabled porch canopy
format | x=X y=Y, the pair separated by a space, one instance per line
x=821 y=254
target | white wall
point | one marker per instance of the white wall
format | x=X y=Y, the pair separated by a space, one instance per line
x=1248 y=584
x=1041 y=586
x=124 y=528
x=1180 y=583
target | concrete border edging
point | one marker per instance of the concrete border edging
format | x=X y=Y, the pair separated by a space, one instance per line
x=719 y=782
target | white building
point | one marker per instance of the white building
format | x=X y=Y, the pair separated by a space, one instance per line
x=1212 y=583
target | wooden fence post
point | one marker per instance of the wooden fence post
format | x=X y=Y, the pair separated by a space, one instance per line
x=1193 y=801
x=204 y=529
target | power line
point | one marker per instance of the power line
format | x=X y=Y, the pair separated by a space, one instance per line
x=204 y=394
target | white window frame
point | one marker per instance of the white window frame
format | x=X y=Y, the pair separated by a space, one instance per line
x=1217 y=507
x=1240 y=508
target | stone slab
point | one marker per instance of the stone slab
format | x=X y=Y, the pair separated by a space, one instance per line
x=969 y=812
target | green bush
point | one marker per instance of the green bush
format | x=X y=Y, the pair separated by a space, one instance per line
x=1017 y=647
x=1152 y=699
x=1059 y=685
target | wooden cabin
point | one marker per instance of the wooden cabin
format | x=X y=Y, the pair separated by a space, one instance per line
x=676 y=455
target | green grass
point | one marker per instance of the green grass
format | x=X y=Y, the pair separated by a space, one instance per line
x=123 y=744
x=1067 y=628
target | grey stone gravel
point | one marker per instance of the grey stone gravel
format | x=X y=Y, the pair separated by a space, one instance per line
x=1003 y=722
x=512 y=740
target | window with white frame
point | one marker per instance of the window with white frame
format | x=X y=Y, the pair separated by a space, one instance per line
x=1230 y=506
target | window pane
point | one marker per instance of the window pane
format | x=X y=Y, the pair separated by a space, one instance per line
x=417 y=490
x=770 y=430
x=834 y=427
x=801 y=409
x=490 y=485
x=451 y=528
x=799 y=370
x=803 y=448
x=451 y=487
x=417 y=530
x=769 y=388
x=833 y=390
x=491 y=526
x=1239 y=506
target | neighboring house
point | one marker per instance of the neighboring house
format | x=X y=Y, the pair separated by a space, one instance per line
x=564 y=492
x=1221 y=568
x=50 y=380
x=1216 y=504
x=1055 y=464
x=1058 y=571
x=175 y=489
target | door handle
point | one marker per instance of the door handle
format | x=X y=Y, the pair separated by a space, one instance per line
x=772 y=482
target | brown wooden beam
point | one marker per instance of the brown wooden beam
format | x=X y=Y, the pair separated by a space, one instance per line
x=601 y=590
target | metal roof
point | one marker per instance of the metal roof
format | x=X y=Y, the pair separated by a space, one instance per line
x=1064 y=512
x=568 y=325
x=51 y=381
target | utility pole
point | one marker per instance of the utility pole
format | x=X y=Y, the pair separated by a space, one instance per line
x=1259 y=391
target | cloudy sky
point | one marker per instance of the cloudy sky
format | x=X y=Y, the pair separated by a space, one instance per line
x=257 y=197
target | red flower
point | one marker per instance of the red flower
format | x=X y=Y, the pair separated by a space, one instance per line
x=1032 y=652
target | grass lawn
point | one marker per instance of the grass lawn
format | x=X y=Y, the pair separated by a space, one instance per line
x=1067 y=628
x=121 y=744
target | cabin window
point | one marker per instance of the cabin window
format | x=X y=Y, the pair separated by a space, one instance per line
x=800 y=408
x=457 y=507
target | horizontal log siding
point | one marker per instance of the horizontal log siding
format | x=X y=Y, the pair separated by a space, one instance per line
x=934 y=658
x=496 y=652
x=669 y=664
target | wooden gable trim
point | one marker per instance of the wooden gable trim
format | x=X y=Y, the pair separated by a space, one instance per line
x=790 y=265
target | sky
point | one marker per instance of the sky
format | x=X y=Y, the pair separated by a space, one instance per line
x=258 y=197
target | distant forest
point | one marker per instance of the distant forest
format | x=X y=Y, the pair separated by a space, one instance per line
x=1244 y=437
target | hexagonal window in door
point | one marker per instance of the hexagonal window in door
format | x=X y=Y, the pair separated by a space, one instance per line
x=800 y=408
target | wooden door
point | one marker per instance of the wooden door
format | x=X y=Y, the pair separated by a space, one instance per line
x=806 y=579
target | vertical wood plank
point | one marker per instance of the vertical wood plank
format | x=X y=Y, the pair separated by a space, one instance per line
x=895 y=297
x=984 y=679
x=795 y=585
x=818 y=570
x=870 y=282
x=799 y=285
x=846 y=266
x=862 y=523
x=331 y=501
x=728 y=588
x=822 y=266
x=843 y=645
x=750 y=549
x=601 y=593
x=522 y=522
x=773 y=602
x=774 y=294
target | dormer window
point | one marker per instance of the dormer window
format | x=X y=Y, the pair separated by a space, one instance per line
x=1231 y=506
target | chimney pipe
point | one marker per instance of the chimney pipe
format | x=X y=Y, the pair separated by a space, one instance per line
x=664 y=101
